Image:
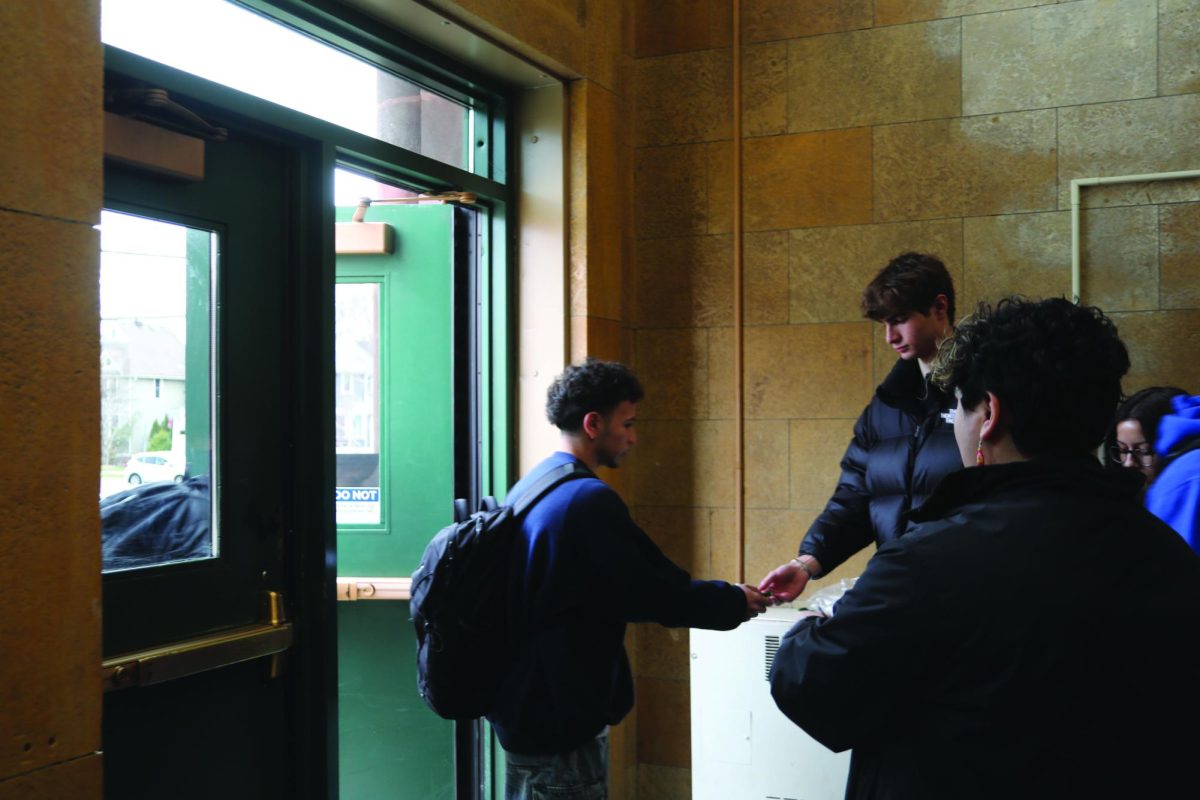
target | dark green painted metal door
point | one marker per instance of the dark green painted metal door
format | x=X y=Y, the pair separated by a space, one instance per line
x=395 y=443
x=219 y=726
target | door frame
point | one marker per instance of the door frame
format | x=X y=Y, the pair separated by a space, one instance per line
x=315 y=148
x=309 y=666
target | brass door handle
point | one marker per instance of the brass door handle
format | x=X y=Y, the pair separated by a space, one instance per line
x=178 y=660
x=192 y=656
x=349 y=589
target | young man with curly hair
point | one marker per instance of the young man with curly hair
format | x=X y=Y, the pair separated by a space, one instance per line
x=581 y=570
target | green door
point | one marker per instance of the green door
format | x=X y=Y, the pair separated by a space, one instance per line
x=207 y=331
x=398 y=368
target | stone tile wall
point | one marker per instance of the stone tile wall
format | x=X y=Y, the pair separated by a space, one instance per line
x=50 y=195
x=951 y=126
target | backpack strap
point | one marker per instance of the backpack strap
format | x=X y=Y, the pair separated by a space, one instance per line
x=553 y=477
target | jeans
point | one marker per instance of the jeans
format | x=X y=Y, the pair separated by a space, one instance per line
x=579 y=774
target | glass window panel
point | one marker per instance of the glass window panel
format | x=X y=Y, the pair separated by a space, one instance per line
x=155 y=391
x=235 y=47
x=356 y=354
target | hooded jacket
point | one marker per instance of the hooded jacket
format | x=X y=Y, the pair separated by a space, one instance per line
x=1033 y=636
x=903 y=446
x=1174 y=497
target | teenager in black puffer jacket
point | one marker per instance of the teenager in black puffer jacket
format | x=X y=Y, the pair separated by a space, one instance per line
x=903 y=442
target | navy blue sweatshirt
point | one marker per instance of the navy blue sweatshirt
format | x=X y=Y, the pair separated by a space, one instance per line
x=581 y=569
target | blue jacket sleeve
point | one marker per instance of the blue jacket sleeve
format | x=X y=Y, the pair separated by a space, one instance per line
x=844 y=527
x=846 y=678
x=640 y=580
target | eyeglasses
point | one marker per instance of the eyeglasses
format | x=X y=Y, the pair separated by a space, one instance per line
x=1141 y=457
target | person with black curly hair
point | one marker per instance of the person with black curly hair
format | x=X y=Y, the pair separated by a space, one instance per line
x=1034 y=634
x=581 y=569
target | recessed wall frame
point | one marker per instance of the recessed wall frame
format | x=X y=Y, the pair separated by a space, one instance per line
x=1077 y=185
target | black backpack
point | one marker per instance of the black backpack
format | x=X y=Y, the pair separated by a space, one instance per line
x=459 y=602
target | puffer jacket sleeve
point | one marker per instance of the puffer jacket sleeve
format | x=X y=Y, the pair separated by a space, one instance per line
x=844 y=527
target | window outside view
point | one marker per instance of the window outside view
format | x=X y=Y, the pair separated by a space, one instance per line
x=155 y=499
x=268 y=60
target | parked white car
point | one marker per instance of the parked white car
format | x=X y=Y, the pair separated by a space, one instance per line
x=161 y=465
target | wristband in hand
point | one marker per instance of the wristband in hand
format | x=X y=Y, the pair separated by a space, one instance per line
x=804 y=566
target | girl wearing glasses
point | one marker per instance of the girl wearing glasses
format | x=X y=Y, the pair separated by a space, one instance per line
x=1130 y=440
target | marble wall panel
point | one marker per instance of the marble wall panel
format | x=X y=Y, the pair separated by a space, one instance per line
x=539 y=29
x=966 y=167
x=720 y=188
x=855 y=336
x=1089 y=51
x=685 y=281
x=578 y=95
x=622 y=758
x=596 y=210
x=769 y=20
x=49 y=163
x=772 y=537
x=662 y=652
x=1140 y=193
x=807 y=371
x=817 y=447
x=764 y=89
x=683 y=534
x=1027 y=254
x=78 y=779
x=50 y=384
x=765 y=278
x=664 y=783
x=608 y=33
x=721 y=377
x=664 y=720
x=895 y=12
x=599 y=337
x=830 y=267
x=684 y=463
x=1127 y=138
x=1162 y=348
x=767 y=449
x=1178 y=46
x=1119 y=258
x=724 y=546
x=807 y=180
x=676 y=26
x=672 y=364
x=670 y=191
x=1179 y=257
x=683 y=98
x=873 y=77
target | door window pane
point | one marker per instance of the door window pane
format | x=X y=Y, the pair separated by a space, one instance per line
x=356 y=352
x=155 y=389
x=263 y=58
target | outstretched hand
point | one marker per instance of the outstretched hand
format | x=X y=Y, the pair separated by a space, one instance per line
x=785 y=582
x=756 y=602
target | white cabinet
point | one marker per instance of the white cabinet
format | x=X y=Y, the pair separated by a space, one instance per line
x=743 y=747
